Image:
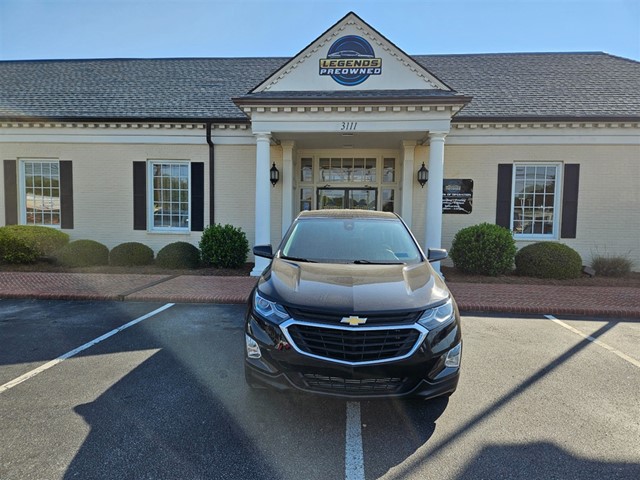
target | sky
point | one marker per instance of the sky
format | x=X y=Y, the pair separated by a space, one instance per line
x=62 y=29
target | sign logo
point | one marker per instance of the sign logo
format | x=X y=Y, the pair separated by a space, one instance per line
x=354 y=321
x=350 y=61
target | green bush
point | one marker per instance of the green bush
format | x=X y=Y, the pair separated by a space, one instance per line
x=548 y=260
x=130 y=253
x=83 y=253
x=484 y=249
x=178 y=255
x=224 y=246
x=26 y=243
x=15 y=250
x=611 y=265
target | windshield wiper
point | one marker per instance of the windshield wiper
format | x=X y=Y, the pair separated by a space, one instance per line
x=369 y=262
x=297 y=259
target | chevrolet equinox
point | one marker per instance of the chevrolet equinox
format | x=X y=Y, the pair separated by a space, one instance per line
x=349 y=306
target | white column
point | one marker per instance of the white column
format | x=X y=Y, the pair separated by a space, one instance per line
x=263 y=197
x=408 y=180
x=433 y=235
x=287 y=184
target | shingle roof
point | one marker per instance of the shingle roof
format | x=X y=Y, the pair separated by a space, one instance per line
x=503 y=86
x=185 y=89
x=530 y=85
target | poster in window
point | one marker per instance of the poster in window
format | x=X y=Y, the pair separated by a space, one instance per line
x=457 y=196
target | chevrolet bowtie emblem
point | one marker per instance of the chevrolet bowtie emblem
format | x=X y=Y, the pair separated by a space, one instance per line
x=354 y=321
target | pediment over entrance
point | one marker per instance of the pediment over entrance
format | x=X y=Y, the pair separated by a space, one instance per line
x=351 y=56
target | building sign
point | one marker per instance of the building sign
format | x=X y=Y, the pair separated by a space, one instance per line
x=457 y=195
x=350 y=61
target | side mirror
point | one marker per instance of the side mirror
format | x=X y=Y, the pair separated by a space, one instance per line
x=436 y=254
x=264 y=251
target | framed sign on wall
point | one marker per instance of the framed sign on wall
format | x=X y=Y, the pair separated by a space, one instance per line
x=457 y=196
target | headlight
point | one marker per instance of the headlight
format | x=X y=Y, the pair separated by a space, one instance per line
x=438 y=316
x=269 y=310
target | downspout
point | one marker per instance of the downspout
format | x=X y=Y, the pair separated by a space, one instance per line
x=211 y=177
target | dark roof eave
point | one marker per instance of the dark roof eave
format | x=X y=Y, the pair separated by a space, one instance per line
x=545 y=119
x=88 y=119
x=407 y=100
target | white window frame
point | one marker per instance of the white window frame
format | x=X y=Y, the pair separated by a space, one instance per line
x=22 y=201
x=316 y=154
x=557 y=202
x=150 y=201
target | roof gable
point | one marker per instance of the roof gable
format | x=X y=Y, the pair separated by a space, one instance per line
x=350 y=56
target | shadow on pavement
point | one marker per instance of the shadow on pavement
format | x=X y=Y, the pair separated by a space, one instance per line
x=548 y=461
x=150 y=425
x=397 y=429
x=185 y=412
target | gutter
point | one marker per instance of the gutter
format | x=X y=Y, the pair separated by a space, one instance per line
x=212 y=209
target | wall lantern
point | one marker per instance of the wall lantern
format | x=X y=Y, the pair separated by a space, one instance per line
x=423 y=175
x=274 y=175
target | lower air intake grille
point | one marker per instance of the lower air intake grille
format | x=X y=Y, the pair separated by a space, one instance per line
x=354 y=346
x=352 y=386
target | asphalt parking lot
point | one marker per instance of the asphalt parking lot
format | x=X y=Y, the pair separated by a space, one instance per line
x=165 y=398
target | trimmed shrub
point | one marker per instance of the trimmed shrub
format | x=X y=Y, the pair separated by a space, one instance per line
x=83 y=253
x=484 y=249
x=26 y=243
x=15 y=250
x=224 y=246
x=548 y=260
x=130 y=254
x=611 y=265
x=178 y=255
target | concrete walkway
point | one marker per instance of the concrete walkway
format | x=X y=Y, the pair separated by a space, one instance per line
x=471 y=297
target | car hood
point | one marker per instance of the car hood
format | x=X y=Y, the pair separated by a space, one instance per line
x=352 y=288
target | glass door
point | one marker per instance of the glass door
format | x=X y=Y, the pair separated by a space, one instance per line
x=351 y=198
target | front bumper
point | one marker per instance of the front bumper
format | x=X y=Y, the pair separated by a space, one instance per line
x=421 y=374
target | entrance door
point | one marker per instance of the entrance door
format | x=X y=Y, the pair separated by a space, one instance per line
x=351 y=198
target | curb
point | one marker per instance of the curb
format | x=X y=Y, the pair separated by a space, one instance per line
x=617 y=302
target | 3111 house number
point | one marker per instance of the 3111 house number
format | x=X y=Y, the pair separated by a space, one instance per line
x=346 y=126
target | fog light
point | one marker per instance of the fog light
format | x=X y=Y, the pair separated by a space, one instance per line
x=253 y=350
x=453 y=357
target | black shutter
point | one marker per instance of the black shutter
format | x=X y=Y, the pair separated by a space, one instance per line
x=570 y=200
x=10 y=192
x=139 y=195
x=503 y=199
x=197 y=197
x=66 y=194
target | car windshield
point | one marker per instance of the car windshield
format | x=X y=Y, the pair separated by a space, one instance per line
x=351 y=240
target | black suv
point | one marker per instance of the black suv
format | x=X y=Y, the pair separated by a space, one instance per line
x=349 y=306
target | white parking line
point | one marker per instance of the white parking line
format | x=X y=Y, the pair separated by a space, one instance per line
x=353 y=459
x=61 y=358
x=623 y=356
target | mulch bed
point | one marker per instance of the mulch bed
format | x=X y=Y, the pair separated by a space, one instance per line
x=632 y=280
x=145 y=270
x=451 y=274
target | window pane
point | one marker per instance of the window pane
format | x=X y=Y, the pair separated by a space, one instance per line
x=358 y=170
x=171 y=195
x=533 y=199
x=41 y=193
x=325 y=166
x=389 y=174
x=387 y=199
x=305 y=199
x=370 y=170
x=306 y=170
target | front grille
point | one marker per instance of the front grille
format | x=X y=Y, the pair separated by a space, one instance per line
x=352 y=386
x=353 y=346
x=403 y=318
